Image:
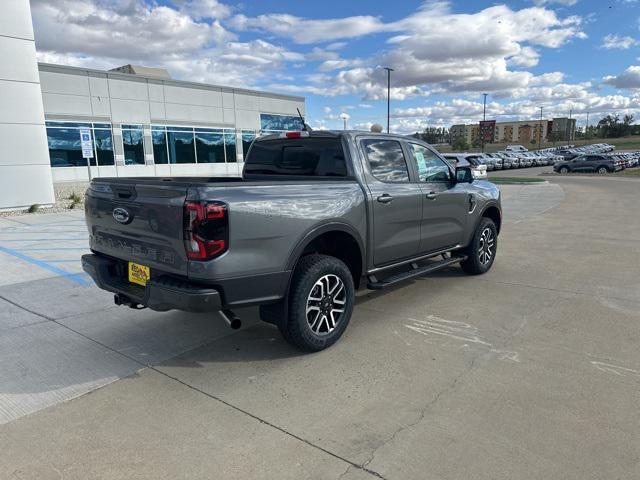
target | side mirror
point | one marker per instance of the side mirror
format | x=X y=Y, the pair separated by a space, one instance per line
x=464 y=175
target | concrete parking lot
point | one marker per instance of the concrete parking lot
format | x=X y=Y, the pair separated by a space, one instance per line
x=531 y=371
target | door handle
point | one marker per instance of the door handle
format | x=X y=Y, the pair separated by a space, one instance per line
x=432 y=195
x=386 y=198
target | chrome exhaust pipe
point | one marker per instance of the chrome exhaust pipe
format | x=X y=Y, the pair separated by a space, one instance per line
x=231 y=318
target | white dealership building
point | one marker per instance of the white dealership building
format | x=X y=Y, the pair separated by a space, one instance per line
x=142 y=122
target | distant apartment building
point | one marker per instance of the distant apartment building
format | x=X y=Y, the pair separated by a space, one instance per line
x=468 y=133
x=522 y=132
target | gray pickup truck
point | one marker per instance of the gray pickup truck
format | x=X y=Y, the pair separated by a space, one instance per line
x=315 y=216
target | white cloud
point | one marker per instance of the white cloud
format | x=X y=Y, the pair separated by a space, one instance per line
x=616 y=41
x=426 y=56
x=200 y=9
x=187 y=39
x=445 y=114
x=305 y=31
x=629 y=79
x=566 y=3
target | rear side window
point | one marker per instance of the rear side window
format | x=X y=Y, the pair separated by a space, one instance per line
x=386 y=160
x=314 y=157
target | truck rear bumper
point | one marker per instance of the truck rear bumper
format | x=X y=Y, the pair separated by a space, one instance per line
x=161 y=294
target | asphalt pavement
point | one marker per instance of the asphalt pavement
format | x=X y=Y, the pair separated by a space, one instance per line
x=531 y=371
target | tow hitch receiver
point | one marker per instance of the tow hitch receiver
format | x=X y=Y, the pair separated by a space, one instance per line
x=120 y=299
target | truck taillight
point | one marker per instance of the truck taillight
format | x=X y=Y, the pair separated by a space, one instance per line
x=206 y=229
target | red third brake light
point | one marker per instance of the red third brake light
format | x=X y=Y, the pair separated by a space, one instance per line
x=295 y=134
x=206 y=229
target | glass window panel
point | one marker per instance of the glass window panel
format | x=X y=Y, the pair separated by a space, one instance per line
x=159 y=140
x=270 y=121
x=306 y=156
x=247 y=139
x=133 y=145
x=132 y=127
x=102 y=125
x=230 y=145
x=180 y=129
x=68 y=124
x=430 y=167
x=104 y=146
x=65 y=149
x=210 y=147
x=386 y=160
x=181 y=147
x=207 y=130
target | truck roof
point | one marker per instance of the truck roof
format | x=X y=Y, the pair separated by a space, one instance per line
x=335 y=134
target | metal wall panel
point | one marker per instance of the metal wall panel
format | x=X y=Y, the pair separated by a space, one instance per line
x=58 y=82
x=21 y=102
x=77 y=105
x=15 y=20
x=192 y=96
x=20 y=67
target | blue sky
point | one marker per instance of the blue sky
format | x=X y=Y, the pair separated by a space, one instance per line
x=565 y=55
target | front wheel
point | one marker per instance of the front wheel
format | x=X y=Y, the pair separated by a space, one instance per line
x=563 y=170
x=481 y=252
x=603 y=170
x=321 y=300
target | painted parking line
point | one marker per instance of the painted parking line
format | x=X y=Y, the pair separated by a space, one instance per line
x=79 y=278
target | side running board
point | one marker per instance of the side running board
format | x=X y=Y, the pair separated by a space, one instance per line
x=375 y=284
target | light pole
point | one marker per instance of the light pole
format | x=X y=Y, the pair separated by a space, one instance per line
x=569 y=126
x=344 y=117
x=540 y=131
x=484 y=107
x=484 y=117
x=586 y=129
x=389 y=70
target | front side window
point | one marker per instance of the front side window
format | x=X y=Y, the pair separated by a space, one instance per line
x=386 y=160
x=133 y=144
x=430 y=167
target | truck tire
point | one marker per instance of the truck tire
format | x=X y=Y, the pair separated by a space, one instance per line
x=481 y=252
x=321 y=299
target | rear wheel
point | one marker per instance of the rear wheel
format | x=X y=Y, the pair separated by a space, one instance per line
x=563 y=170
x=481 y=252
x=321 y=300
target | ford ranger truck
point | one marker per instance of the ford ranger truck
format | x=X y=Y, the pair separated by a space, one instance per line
x=314 y=217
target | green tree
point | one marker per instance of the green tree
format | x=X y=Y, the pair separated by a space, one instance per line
x=434 y=135
x=460 y=144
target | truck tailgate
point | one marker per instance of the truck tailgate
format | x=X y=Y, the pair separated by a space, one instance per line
x=142 y=223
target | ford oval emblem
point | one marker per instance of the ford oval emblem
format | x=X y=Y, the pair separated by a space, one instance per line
x=121 y=215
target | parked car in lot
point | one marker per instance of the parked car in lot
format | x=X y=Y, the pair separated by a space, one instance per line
x=515 y=148
x=314 y=216
x=589 y=163
x=499 y=162
x=525 y=161
x=477 y=162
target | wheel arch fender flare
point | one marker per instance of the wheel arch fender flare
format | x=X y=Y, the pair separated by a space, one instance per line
x=319 y=230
